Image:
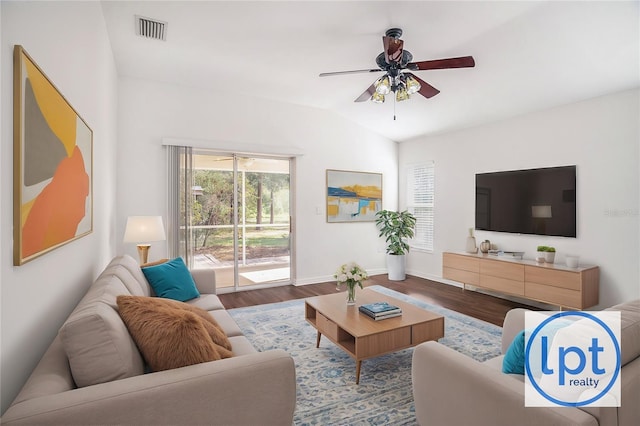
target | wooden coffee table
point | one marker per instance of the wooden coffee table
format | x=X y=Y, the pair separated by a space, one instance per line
x=362 y=337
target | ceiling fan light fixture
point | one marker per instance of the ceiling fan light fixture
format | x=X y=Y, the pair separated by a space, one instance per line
x=413 y=85
x=383 y=86
x=377 y=98
x=398 y=66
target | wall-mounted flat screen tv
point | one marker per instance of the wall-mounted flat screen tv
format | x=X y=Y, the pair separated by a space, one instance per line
x=534 y=201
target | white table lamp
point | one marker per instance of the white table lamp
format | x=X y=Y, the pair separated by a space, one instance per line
x=143 y=230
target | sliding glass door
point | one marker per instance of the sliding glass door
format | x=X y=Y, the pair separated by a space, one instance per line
x=241 y=219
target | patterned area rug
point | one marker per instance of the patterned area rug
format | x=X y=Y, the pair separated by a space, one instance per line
x=327 y=393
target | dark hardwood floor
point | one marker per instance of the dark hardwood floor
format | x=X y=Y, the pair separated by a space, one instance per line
x=472 y=303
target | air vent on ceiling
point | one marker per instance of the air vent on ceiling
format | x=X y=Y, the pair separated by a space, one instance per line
x=151 y=28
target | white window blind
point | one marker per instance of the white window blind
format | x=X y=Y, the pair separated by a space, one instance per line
x=180 y=230
x=420 y=202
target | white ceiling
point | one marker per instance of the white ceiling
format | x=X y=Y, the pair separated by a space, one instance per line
x=529 y=55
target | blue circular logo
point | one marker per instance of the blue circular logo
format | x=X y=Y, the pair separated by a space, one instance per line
x=537 y=386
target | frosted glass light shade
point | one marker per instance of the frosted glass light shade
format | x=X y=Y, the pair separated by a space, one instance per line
x=377 y=98
x=144 y=229
x=383 y=86
x=401 y=94
x=412 y=85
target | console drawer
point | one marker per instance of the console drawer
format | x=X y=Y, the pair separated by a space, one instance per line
x=502 y=284
x=465 y=263
x=502 y=269
x=327 y=327
x=461 y=276
x=554 y=295
x=553 y=277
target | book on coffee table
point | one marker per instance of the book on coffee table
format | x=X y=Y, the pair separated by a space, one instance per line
x=385 y=315
x=380 y=310
x=379 y=307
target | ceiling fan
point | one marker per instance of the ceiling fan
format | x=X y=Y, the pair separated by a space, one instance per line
x=396 y=63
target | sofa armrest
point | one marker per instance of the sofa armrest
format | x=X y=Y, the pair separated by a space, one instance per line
x=512 y=325
x=451 y=388
x=258 y=388
x=205 y=280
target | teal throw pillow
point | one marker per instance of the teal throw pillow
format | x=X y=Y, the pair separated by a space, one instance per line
x=513 y=362
x=172 y=280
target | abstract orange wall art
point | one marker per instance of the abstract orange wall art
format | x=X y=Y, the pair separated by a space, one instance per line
x=53 y=150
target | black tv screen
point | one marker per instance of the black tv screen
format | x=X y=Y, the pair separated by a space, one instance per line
x=535 y=201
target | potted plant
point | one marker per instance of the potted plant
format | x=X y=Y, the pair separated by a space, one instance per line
x=546 y=252
x=395 y=227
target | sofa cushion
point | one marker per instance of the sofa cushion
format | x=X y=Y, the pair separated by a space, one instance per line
x=241 y=346
x=226 y=322
x=129 y=272
x=124 y=275
x=97 y=344
x=168 y=337
x=208 y=302
x=172 y=280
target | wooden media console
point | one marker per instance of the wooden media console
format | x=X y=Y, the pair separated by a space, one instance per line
x=574 y=288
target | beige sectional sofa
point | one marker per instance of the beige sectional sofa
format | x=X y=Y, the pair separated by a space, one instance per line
x=452 y=389
x=93 y=372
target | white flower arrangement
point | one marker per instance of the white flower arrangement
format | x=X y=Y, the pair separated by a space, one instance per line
x=350 y=274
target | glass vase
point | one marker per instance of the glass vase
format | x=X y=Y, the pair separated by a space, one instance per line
x=351 y=294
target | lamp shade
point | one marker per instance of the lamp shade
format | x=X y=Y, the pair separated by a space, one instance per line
x=144 y=229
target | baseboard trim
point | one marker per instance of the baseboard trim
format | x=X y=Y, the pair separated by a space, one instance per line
x=434 y=278
x=329 y=278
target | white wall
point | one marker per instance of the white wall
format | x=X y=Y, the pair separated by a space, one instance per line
x=68 y=40
x=149 y=112
x=601 y=136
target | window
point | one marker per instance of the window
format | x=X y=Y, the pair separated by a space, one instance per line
x=420 y=202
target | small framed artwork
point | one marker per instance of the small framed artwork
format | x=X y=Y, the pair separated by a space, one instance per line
x=52 y=165
x=353 y=196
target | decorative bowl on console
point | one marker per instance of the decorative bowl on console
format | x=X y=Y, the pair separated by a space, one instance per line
x=572 y=260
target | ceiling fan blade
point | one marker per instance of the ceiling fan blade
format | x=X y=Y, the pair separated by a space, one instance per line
x=426 y=90
x=439 y=64
x=328 y=74
x=366 y=95
x=392 y=49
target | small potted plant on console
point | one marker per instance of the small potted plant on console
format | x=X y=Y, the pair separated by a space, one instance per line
x=546 y=252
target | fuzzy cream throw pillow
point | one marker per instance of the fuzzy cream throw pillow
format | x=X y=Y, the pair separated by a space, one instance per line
x=168 y=337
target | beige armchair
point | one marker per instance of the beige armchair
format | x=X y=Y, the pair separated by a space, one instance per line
x=450 y=388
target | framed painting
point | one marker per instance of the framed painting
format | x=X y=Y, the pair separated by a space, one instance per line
x=353 y=196
x=52 y=165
